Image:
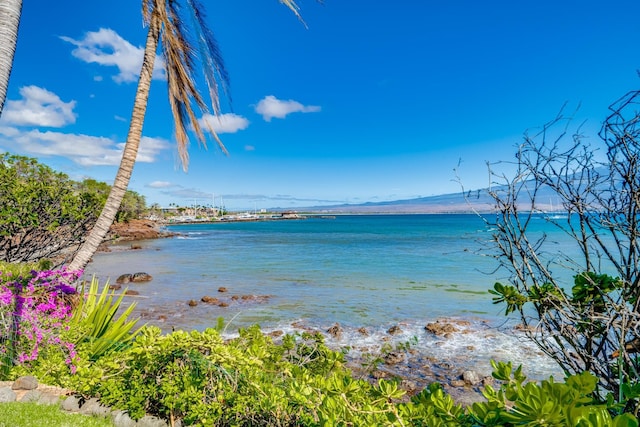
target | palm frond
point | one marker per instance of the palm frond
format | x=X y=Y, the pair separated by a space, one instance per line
x=181 y=56
x=291 y=4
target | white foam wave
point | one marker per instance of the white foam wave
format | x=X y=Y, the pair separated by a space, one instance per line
x=471 y=347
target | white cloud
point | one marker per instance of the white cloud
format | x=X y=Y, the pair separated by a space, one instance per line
x=84 y=150
x=270 y=107
x=38 y=107
x=249 y=148
x=106 y=47
x=160 y=184
x=224 y=123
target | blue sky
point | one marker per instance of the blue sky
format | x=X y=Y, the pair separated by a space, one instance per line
x=374 y=101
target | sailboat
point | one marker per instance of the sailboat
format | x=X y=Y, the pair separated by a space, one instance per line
x=553 y=214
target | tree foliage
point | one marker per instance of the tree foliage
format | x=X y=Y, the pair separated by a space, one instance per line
x=42 y=212
x=592 y=323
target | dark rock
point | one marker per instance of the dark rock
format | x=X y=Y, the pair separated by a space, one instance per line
x=141 y=277
x=522 y=328
x=222 y=289
x=115 y=287
x=223 y=304
x=209 y=299
x=379 y=374
x=438 y=328
x=394 y=358
x=25 y=383
x=130 y=292
x=136 y=246
x=192 y=303
x=408 y=385
x=335 y=330
x=123 y=278
x=363 y=331
x=394 y=330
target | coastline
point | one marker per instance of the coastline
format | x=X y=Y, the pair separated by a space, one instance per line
x=458 y=359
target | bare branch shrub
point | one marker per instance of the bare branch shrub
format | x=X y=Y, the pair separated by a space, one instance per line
x=590 y=322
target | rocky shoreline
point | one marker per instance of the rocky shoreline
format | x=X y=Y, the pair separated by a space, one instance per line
x=458 y=371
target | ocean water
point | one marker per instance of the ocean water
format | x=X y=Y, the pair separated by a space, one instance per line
x=360 y=271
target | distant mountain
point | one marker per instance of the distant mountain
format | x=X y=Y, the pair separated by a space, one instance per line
x=477 y=200
x=467 y=202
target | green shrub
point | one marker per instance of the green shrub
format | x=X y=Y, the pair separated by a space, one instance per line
x=200 y=379
x=549 y=403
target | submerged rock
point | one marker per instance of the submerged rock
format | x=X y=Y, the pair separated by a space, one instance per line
x=394 y=330
x=123 y=278
x=438 y=328
x=394 y=358
x=335 y=330
x=141 y=277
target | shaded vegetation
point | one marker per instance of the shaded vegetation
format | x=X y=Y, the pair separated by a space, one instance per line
x=46 y=215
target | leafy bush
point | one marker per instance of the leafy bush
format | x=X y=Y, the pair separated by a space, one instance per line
x=42 y=213
x=200 y=379
x=570 y=403
x=45 y=214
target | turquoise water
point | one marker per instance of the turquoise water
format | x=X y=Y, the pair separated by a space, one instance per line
x=358 y=271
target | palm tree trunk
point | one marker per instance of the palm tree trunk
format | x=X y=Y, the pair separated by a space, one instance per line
x=10 y=11
x=119 y=188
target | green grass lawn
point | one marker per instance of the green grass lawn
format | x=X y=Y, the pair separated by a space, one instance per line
x=17 y=414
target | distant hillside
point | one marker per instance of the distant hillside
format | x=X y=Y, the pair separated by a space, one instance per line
x=472 y=201
x=445 y=203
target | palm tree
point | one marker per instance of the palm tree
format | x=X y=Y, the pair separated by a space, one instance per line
x=167 y=28
x=10 y=11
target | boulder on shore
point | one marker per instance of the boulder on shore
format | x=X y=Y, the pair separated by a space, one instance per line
x=135 y=229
